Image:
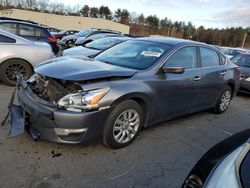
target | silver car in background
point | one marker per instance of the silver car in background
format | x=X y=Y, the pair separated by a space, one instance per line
x=19 y=55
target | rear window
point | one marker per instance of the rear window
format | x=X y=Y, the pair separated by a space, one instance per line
x=209 y=58
x=10 y=27
x=26 y=30
x=5 y=39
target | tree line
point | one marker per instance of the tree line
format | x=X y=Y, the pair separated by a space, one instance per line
x=139 y=24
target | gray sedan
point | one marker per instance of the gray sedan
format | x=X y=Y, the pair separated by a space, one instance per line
x=19 y=55
x=95 y=47
x=132 y=85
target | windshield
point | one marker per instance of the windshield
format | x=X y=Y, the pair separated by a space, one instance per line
x=83 y=33
x=97 y=36
x=241 y=60
x=232 y=52
x=134 y=54
x=103 y=44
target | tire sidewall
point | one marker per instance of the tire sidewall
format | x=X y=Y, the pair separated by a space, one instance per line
x=108 y=138
x=6 y=63
x=218 y=109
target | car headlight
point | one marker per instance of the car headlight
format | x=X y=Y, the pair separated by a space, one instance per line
x=83 y=100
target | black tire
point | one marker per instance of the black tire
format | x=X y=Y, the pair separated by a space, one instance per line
x=108 y=134
x=218 y=108
x=70 y=43
x=9 y=69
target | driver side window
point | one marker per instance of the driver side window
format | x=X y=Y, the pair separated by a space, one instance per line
x=185 y=57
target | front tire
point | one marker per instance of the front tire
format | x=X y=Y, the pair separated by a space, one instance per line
x=10 y=68
x=223 y=101
x=123 y=124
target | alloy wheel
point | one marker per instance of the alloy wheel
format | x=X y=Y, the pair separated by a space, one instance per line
x=126 y=126
x=225 y=100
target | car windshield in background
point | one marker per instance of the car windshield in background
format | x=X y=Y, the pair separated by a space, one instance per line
x=97 y=36
x=103 y=44
x=232 y=52
x=241 y=60
x=134 y=54
x=84 y=33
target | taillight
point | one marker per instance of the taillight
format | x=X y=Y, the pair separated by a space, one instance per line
x=52 y=39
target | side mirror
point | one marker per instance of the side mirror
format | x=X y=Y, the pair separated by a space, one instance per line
x=174 y=70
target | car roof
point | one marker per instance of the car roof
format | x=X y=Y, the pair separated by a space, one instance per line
x=22 y=22
x=168 y=40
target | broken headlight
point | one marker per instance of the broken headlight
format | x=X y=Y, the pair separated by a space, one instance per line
x=88 y=100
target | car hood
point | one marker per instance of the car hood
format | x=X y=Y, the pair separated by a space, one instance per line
x=79 y=50
x=76 y=69
x=70 y=37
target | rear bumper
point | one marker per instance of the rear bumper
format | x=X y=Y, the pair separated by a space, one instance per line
x=53 y=124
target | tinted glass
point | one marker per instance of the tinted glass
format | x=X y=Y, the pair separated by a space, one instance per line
x=103 y=44
x=9 y=27
x=209 y=58
x=241 y=60
x=134 y=54
x=84 y=33
x=185 y=57
x=5 y=39
x=38 y=32
x=26 y=30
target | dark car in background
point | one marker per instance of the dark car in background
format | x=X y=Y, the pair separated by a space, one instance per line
x=93 y=48
x=134 y=84
x=225 y=165
x=29 y=30
x=68 y=41
x=82 y=41
x=243 y=61
x=64 y=33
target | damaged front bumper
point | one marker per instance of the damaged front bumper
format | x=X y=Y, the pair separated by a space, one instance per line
x=56 y=125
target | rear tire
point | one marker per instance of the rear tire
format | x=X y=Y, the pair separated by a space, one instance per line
x=123 y=124
x=223 y=101
x=10 y=68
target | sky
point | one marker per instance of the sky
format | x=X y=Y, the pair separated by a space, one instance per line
x=209 y=13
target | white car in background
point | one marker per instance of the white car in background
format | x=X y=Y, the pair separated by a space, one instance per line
x=19 y=55
x=232 y=52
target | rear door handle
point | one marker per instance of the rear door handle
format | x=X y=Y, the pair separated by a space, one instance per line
x=197 y=78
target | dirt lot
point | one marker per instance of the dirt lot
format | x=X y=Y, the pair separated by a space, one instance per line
x=161 y=156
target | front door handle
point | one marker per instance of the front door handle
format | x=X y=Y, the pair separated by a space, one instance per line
x=197 y=78
x=223 y=72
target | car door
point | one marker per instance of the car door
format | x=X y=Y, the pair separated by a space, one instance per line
x=177 y=93
x=213 y=71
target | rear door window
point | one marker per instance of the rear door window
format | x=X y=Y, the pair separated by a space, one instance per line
x=209 y=58
x=26 y=30
x=10 y=27
x=5 y=39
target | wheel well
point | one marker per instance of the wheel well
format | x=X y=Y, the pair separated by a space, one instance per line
x=143 y=105
x=230 y=84
x=21 y=60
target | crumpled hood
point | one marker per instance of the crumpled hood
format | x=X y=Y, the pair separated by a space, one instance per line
x=76 y=69
x=79 y=50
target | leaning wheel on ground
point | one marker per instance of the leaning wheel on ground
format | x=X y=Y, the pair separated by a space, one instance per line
x=123 y=124
x=11 y=68
x=223 y=101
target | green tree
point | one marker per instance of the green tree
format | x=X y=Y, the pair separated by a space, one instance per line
x=105 y=12
x=85 y=11
x=152 y=22
x=93 y=12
